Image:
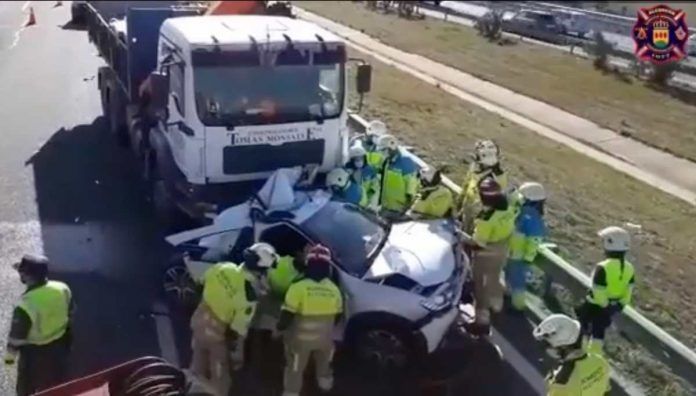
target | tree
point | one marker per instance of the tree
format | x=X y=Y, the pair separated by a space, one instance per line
x=490 y=25
x=600 y=49
x=662 y=73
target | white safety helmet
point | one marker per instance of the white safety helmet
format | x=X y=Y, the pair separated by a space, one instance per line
x=337 y=178
x=387 y=142
x=260 y=256
x=427 y=174
x=357 y=151
x=615 y=239
x=532 y=192
x=486 y=152
x=558 y=330
x=376 y=127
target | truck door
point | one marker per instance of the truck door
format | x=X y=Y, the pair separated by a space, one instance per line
x=177 y=131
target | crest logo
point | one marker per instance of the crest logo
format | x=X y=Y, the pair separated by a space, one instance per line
x=660 y=34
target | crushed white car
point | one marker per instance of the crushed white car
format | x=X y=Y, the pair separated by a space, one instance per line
x=402 y=281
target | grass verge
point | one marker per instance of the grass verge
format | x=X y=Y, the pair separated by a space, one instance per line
x=546 y=74
x=584 y=195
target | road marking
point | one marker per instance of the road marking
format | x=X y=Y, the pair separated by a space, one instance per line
x=165 y=333
x=15 y=41
x=26 y=5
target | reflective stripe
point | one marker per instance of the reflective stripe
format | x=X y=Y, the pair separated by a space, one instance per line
x=16 y=342
x=295 y=362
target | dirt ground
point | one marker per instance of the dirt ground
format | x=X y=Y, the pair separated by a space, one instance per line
x=546 y=74
x=584 y=195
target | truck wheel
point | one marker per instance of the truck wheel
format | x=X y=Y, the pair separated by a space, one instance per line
x=383 y=348
x=179 y=288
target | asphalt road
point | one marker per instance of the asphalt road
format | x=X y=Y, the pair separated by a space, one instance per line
x=66 y=190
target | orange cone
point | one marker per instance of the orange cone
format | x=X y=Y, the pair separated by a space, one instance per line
x=32 y=18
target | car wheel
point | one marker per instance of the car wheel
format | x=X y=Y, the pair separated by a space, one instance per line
x=179 y=288
x=383 y=348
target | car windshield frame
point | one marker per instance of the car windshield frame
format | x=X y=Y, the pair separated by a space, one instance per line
x=325 y=229
x=233 y=88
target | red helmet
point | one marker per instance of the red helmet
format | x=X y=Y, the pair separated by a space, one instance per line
x=489 y=187
x=318 y=255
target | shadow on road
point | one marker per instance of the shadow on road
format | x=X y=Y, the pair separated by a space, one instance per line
x=97 y=230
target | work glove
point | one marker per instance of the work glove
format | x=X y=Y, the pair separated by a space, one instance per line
x=10 y=358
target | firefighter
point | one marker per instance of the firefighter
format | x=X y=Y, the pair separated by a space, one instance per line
x=398 y=177
x=612 y=286
x=486 y=164
x=221 y=322
x=343 y=188
x=434 y=200
x=287 y=270
x=524 y=243
x=364 y=175
x=581 y=372
x=374 y=130
x=489 y=245
x=312 y=307
x=40 y=330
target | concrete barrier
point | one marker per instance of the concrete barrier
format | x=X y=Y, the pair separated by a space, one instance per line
x=631 y=324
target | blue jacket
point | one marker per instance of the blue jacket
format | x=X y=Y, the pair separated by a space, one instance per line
x=353 y=193
x=399 y=178
x=529 y=232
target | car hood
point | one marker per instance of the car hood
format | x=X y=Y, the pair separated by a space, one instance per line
x=419 y=250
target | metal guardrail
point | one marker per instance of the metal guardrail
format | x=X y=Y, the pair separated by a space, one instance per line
x=630 y=323
x=687 y=68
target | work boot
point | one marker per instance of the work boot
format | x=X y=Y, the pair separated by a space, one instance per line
x=478 y=329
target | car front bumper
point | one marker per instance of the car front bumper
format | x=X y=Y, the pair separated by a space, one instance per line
x=435 y=329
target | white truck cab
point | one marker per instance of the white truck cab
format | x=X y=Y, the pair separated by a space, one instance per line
x=248 y=95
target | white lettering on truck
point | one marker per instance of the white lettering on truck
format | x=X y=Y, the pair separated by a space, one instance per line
x=277 y=136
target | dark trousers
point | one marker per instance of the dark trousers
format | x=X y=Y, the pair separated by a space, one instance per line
x=595 y=320
x=40 y=367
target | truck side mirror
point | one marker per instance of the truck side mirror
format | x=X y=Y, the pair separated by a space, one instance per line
x=363 y=78
x=159 y=90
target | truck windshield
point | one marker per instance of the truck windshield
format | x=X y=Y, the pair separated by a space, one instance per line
x=352 y=236
x=253 y=95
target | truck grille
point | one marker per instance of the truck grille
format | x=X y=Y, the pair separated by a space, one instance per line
x=246 y=159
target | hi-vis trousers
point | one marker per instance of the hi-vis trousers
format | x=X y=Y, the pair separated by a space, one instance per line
x=211 y=360
x=308 y=339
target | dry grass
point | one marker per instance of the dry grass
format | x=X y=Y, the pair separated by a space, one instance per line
x=553 y=76
x=585 y=195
